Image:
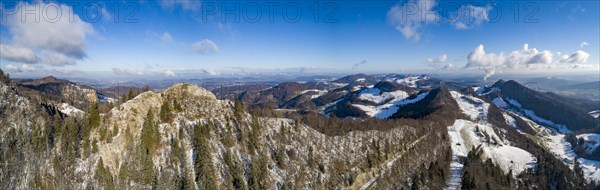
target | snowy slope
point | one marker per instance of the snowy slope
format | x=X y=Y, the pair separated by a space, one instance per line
x=591 y=141
x=410 y=81
x=471 y=106
x=388 y=109
x=459 y=152
x=69 y=110
x=319 y=93
x=517 y=108
x=556 y=143
x=500 y=103
x=376 y=96
x=465 y=135
x=590 y=169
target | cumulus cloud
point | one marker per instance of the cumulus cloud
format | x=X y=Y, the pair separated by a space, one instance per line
x=526 y=58
x=469 y=16
x=13 y=69
x=583 y=44
x=409 y=17
x=119 y=71
x=205 y=46
x=23 y=68
x=17 y=54
x=166 y=37
x=169 y=73
x=577 y=57
x=356 y=65
x=64 y=34
x=191 y=5
x=211 y=72
x=440 y=59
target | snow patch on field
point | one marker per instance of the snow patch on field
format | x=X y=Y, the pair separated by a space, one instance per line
x=511 y=158
x=465 y=135
x=319 y=93
x=410 y=81
x=459 y=153
x=386 y=110
x=510 y=120
x=474 y=108
x=591 y=141
x=69 y=110
x=530 y=114
x=376 y=96
x=590 y=169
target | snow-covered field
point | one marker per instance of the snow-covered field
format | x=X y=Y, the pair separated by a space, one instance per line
x=409 y=81
x=555 y=142
x=319 y=93
x=386 y=110
x=499 y=150
x=590 y=169
x=69 y=110
x=473 y=107
x=466 y=134
x=459 y=152
x=376 y=96
x=591 y=141
x=531 y=115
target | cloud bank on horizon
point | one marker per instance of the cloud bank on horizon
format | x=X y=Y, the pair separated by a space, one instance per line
x=180 y=40
x=526 y=58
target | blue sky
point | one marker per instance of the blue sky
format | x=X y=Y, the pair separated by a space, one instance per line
x=188 y=39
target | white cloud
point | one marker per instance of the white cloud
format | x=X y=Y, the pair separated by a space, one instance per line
x=409 y=17
x=578 y=57
x=440 y=59
x=525 y=58
x=119 y=71
x=205 y=47
x=166 y=37
x=17 y=54
x=24 y=68
x=169 y=73
x=583 y=44
x=191 y=5
x=469 y=16
x=211 y=72
x=13 y=69
x=63 y=34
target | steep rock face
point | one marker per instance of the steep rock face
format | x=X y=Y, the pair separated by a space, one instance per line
x=200 y=143
x=18 y=131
